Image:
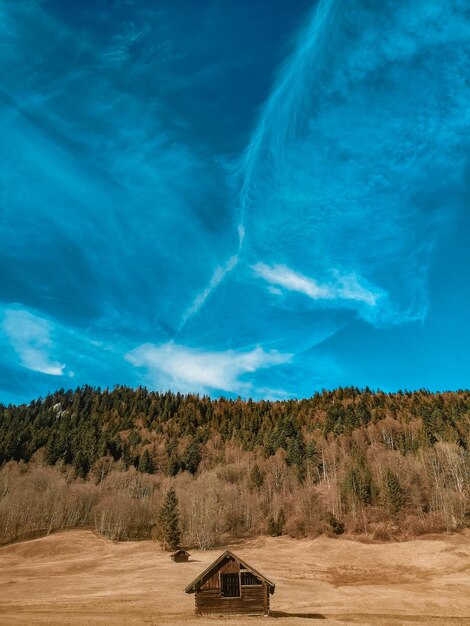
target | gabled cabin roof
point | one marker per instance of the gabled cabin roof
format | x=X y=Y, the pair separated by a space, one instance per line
x=180 y=552
x=217 y=564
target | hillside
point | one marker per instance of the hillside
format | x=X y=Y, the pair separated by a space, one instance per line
x=349 y=460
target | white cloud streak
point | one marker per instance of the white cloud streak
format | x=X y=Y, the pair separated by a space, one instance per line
x=187 y=369
x=30 y=337
x=343 y=287
x=217 y=277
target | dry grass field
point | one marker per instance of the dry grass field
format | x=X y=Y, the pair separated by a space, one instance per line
x=74 y=578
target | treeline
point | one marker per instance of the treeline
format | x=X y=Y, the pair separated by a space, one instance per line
x=351 y=460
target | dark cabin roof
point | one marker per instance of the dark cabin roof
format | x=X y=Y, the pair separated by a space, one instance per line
x=180 y=552
x=207 y=573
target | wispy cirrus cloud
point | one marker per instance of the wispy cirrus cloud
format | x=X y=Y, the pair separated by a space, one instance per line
x=347 y=287
x=182 y=368
x=120 y=50
x=30 y=337
x=357 y=161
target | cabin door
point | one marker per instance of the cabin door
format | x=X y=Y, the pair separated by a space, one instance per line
x=230 y=585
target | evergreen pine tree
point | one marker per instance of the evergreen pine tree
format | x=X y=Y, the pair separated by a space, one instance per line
x=167 y=529
x=145 y=463
x=192 y=457
x=256 y=478
x=357 y=486
x=311 y=453
x=392 y=494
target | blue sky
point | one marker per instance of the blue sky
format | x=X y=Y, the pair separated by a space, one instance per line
x=240 y=198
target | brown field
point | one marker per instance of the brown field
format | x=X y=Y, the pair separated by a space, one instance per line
x=76 y=577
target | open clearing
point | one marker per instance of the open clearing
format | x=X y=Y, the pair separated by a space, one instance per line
x=76 y=577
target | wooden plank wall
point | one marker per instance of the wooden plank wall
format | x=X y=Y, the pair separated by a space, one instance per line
x=231 y=567
x=180 y=559
x=252 y=601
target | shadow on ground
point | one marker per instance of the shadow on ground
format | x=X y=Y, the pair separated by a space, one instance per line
x=298 y=615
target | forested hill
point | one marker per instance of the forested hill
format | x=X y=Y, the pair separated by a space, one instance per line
x=79 y=427
x=349 y=455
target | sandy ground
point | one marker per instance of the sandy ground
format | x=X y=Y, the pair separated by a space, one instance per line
x=76 y=577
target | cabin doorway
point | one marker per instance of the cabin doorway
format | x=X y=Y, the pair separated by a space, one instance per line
x=230 y=585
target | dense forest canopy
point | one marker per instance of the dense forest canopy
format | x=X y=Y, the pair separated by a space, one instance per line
x=345 y=459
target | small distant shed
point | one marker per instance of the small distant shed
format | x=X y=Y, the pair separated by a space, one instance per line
x=180 y=556
x=231 y=586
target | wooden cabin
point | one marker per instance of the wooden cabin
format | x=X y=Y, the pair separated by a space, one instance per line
x=180 y=556
x=231 y=586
